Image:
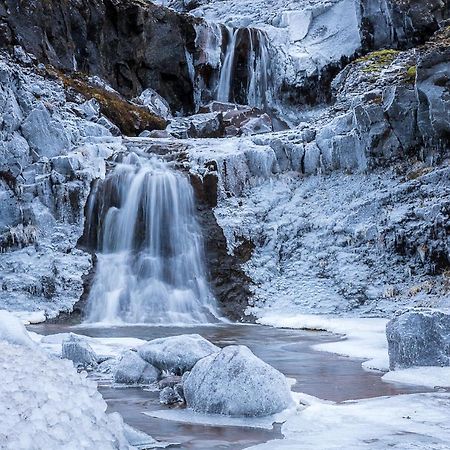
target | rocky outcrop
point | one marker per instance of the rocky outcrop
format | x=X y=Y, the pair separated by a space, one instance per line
x=79 y=352
x=419 y=338
x=132 y=44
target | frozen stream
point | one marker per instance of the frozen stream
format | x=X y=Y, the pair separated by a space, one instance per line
x=323 y=375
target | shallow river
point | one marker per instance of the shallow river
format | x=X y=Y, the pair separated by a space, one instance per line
x=320 y=374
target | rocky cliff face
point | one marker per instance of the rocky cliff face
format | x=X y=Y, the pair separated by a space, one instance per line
x=132 y=44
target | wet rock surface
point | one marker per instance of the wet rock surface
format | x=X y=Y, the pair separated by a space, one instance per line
x=419 y=338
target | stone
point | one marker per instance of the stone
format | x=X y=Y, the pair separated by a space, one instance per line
x=79 y=352
x=176 y=354
x=170 y=381
x=235 y=382
x=154 y=102
x=419 y=337
x=132 y=369
x=168 y=396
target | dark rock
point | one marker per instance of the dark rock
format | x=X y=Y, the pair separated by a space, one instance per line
x=169 y=381
x=419 y=338
x=132 y=44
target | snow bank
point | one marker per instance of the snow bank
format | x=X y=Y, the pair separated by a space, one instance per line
x=404 y=421
x=364 y=337
x=13 y=331
x=431 y=377
x=46 y=404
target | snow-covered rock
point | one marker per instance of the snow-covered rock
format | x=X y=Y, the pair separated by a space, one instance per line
x=13 y=331
x=132 y=369
x=419 y=337
x=170 y=395
x=79 y=352
x=46 y=404
x=176 y=354
x=155 y=103
x=235 y=382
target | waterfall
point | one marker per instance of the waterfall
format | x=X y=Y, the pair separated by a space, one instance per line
x=150 y=254
x=226 y=70
x=251 y=46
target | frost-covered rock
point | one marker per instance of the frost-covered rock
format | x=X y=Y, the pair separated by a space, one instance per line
x=79 y=352
x=155 y=103
x=132 y=369
x=235 y=382
x=46 y=404
x=169 y=396
x=176 y=354
x=13 y=331
x=419 y=338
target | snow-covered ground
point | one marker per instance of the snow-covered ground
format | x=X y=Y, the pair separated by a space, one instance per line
x=407 y=422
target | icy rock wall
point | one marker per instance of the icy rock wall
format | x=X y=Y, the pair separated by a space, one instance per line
x=51 y=150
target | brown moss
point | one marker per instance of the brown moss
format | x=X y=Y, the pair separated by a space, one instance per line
x=132 y=119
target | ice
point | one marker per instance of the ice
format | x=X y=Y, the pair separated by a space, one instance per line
x=13 y=331
x=363 y=338
x=431 y=377
x=132 y=369
x=407 y=422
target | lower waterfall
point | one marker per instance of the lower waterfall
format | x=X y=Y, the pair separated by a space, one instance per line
x=150 y=265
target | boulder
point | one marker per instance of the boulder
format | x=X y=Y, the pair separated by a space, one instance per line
x=176 y=354
x=419 y=337
x=79 y=352
x=235 y=382
x=132 y=369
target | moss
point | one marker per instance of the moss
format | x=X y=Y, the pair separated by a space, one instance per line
x=132 y=119
x=410 y=75
x=376 y=61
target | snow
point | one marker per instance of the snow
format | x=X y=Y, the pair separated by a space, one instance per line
x=46 y=404
x=416 y=421
x=363 y=338
x=430 y=377
x=30 y=317
x=13 y=331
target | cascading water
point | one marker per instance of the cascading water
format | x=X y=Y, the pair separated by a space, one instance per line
x=150 y=262
x=256 y=77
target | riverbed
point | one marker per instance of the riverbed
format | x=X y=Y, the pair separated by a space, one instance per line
x=323 y=375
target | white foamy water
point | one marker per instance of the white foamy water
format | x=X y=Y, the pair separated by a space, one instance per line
x=150 y=262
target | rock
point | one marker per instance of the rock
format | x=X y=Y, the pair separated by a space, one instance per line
x=46 y=136
x=176 y=354
x=79 y=351
x=170 y=381
x=207 y=125
x=257 y=125
x=420 y=337
x=155 y=103
x=235 y=382
x=132 y=369
x=168 y=396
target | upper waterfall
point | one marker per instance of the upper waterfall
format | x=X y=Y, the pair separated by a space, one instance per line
x=150 y=252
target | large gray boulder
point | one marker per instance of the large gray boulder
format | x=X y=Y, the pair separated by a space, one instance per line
x=176 y=354
x=132 y=369
x=79 y=352
x=419 y=337
x=235 y=382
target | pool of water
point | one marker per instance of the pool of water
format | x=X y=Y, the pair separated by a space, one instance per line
x=323 y=375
